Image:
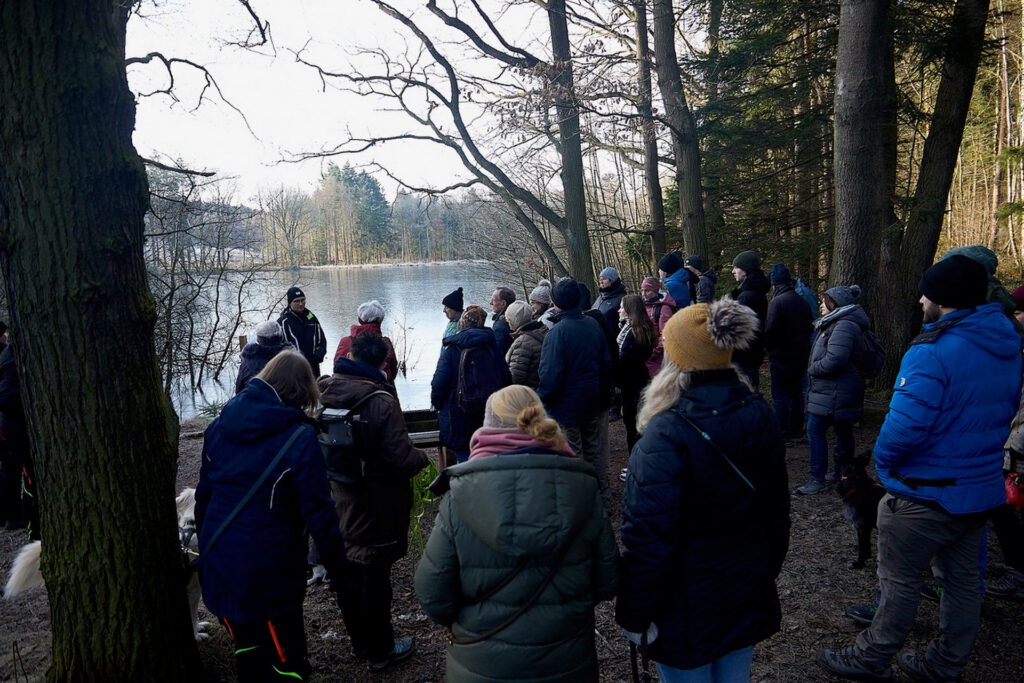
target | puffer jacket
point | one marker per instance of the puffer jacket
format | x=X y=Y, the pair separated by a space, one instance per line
x=257 y=569
x=305 y=334
x=255 y=357
x=345 y=346
x=678 y=286
x=703 y=550
x=835 y=386
x=575 y=368
x=503 y=510
x=456 y=426
x=524 y=355
x=753 y=293
x=958 y=388
x=787 y=330
x=706 y=286
x=608 y=302
x=374 y=513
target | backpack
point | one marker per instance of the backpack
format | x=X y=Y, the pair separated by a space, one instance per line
x=807 y=295
x=478 y=379
x=657 y=312
x=870 y=356
x=339 y=441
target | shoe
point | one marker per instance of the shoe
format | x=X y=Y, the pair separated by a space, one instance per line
x=862 y=614
x=931 y=591
x=917 y=668
x=1010 y=586
x=402 y=649
x=319 y=575
x=845 y=664
x=812 y=487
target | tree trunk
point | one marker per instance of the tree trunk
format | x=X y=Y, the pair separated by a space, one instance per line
x=72 y=197
x=655 y=206
x=684 y=132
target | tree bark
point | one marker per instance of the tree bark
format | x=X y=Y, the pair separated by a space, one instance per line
x=72 y=197
x=655 y=206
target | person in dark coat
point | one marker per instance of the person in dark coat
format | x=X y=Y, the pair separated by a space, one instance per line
x=302 y=329
x=752 y=292
x=676 y=278
x=254 y=576
x=835 y=387
x=373 y=511
x=637 y=339
x=269 y=342
x=455 y=425
x=706 y=279
x=787 y=338
x=452 y=306
x=16 y=453
x=610 y=292
x=523 y=356
x=500 y=299
x=705 y=506
x=370 y=316
x=525 y=512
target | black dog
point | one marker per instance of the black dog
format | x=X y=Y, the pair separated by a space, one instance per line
x=860 y=495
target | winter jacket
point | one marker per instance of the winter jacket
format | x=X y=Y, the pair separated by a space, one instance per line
x=523 y=356
x=703 y=550
x=255 y=357
x=345 y=345
x=540 y=509
x=257 y=569
x=502 y=333
x=958 y=388
x=631 y=373
x=374 y=513
x=608 y=302
x=706 y=286
x=306 y=335
x=575 y=368
x=753 y=293
x=787 y=330
x=835 y=387
x=659 y=309
x=456 y=426
x=12 y=412
x=678 y=286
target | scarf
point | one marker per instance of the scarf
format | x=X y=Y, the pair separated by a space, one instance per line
x=488 y=441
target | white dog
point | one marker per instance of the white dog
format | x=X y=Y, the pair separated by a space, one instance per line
x=25 y=572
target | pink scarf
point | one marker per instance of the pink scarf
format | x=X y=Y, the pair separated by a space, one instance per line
x=490 y=441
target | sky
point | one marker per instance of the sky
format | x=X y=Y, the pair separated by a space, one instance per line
x=283 y=102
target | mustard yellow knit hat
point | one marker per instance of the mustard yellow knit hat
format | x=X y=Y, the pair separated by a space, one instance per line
x=703 y=336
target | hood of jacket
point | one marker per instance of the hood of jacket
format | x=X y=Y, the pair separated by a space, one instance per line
x=264 y=351
x=852 y=312
x=354 y=368
x=256 y=413
x=531 y=328
x=349 y=384
x=984 y=328
x=474 y=336
x=526 y=505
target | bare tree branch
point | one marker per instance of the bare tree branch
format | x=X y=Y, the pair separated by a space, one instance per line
x=177 y=169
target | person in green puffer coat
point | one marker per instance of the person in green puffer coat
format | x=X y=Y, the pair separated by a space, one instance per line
x=523 y=516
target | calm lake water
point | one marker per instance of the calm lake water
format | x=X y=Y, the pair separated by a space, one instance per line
x=411 y=295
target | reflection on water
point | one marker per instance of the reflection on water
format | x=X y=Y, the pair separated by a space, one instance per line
x=411 y=295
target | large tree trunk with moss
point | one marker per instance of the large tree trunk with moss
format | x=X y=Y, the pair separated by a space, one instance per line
x=72 y=198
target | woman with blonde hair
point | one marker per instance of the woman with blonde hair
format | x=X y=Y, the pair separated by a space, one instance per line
x=520 y=552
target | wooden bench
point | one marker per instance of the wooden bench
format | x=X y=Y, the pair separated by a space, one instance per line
x=423 y=428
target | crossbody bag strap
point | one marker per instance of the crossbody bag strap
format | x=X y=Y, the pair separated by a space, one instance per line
x=704 y=435
x=252 y=492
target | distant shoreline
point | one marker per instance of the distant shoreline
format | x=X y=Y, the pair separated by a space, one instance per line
x=406 y=264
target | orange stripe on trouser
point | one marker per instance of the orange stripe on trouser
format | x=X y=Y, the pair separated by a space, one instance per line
x=277 y=643
x=228 y=626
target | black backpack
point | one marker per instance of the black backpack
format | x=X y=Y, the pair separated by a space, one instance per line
x=870 y=356
x=339 y=441
x=478 y=379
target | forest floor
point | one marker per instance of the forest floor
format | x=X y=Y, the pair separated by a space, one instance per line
x=815 y=587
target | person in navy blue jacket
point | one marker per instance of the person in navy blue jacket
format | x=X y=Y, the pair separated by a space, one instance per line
x=705 y=506
x=255 y=356
x=254 y=576
x=939 y=456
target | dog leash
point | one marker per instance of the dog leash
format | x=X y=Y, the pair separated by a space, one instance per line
x=704 y=435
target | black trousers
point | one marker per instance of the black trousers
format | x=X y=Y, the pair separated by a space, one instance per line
x=364 y=596
x=273 y=650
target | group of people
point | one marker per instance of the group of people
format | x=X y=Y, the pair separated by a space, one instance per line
x=523 y=547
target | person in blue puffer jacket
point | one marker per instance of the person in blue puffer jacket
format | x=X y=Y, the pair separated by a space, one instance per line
x=254 y=575
x=676 y=278
x=939 y=456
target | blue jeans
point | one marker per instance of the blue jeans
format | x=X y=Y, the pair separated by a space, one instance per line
x=730 y=668
x=816 y=428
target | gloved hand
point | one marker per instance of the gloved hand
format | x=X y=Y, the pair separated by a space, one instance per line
x=652 y=634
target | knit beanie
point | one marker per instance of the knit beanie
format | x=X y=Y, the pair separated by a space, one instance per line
x=566 y=293
x=956 y=282
x=518 y=314
x=295 y=293
x=609 y=273
x=695 y=261
x=779 y=275
x=1017 y=295
x=650 y=283
x=670 y=263
x=747 y=261
x=454 y=300
x=703 y=336
x=269 y=331
x=844 y=296
x=541 y=293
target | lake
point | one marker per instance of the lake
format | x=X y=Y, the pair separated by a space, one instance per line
x=411 y=295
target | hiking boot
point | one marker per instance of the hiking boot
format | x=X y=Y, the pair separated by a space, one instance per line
x=862 y=614
x=812 y=487
x=917 y=668
x=846 y=664
x=1010 y=586
x=931 y=591
x=402 y=649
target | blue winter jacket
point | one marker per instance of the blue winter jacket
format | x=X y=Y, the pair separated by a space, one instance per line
x=678 y=285
x=942 y=440
x=575 y=368
x=255 y=357
x=456 y=426
x=257 y=569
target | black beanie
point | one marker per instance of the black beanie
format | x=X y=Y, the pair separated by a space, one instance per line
x=566 y=293
x=454 y=300
x=670 y=263
x=955 y=282
x=694 y=260
x=295 y=293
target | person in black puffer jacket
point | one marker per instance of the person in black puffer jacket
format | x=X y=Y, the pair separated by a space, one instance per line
x=269 y=342
x=705 y=518
x=752 y=292
x=787 y=338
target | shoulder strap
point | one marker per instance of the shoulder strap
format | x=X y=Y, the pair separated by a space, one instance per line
x=367 y=397
x=252 y=492
x=704 y=435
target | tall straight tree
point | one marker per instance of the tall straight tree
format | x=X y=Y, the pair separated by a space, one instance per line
x=72 y=198
x=649 y=133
